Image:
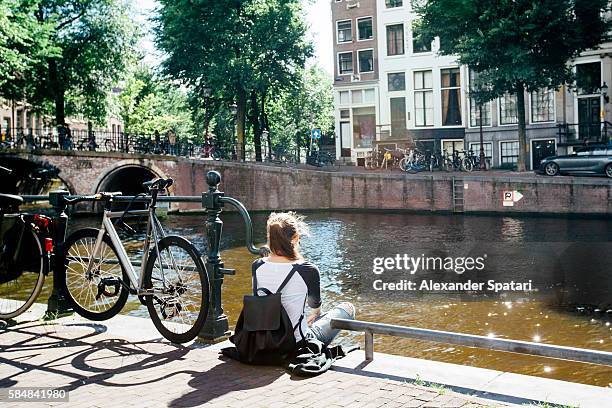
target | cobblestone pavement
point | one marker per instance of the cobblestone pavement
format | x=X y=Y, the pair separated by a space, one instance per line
x=101 y=369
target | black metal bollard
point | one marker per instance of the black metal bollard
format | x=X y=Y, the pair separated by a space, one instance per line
x=57 y=303
x=216 y=327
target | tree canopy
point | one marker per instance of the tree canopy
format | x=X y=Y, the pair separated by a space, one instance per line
x=516 y=45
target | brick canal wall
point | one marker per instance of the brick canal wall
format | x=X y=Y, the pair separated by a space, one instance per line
x=266 y=188
x=262 y=187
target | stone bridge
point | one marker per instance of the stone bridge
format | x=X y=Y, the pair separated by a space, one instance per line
x=266 y=187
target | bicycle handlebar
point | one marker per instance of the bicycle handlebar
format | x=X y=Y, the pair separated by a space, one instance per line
x=96 y=197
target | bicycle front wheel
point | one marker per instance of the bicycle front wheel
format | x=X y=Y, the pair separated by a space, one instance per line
x=179 y=303
x=98 y=293
x=21 y=279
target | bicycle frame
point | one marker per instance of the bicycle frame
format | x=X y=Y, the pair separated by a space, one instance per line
x=155 y=232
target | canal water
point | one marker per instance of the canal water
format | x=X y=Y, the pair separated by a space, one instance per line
x=567 y=261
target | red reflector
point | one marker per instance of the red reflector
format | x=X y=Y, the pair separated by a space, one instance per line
x=48 y=245
x=41 y=221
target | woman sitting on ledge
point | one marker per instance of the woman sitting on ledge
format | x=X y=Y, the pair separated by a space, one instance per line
x=284 y=233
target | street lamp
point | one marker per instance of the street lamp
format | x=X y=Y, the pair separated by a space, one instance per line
x=234 y=111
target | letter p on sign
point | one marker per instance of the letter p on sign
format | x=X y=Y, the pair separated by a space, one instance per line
x=511 y=197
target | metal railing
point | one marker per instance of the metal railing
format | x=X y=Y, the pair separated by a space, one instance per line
x=471 y=340
x=584 y=133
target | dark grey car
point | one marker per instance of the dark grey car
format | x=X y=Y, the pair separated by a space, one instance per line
x=588 y=160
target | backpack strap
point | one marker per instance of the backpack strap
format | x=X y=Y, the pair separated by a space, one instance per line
x=287 y=279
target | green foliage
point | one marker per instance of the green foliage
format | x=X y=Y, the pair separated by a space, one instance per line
x=148 y=104
x=290 y=113
x=66 y=53
x=24 y=44
x=244 y=50
x=516 y=45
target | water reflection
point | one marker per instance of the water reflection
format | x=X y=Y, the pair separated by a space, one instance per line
x=568 y=260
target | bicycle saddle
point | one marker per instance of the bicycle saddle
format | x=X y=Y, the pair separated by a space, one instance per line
x=158 y=183
x=10 y=201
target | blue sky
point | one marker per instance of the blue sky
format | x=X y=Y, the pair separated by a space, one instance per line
x=318 y=15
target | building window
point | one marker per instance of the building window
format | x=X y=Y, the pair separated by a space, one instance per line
x=509 y=152
x=345 y=31
x=366 y=60
x=451 y=97
x=364 y=28
x=419 y=42
x=398 y=116
x=488 y=150
x=474 y=108
x=507 y=110
x=368 y=95
x=357 y=96
x=395 y=39
x=543 y=105
x=345 y=63
x=345 y=135
x=344 y=97
x=393 y=3
x=364 y=126
x=396 y=81
x=344 y=114
x=423 y=98
x=588 y=78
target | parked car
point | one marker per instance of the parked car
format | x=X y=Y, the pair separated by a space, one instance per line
x=587 y=160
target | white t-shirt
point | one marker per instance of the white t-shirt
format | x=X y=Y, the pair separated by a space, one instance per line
x=303 y=286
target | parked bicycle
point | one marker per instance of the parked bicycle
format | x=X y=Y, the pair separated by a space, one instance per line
x=26 y=249
x=172 y=283
x=456 y=162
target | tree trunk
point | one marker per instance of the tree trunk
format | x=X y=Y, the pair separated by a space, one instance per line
x=254 y=119
x=241 y=124
x=522 y=128
x=58 y=93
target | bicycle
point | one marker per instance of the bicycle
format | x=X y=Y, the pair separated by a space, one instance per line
x=173 y=282
x=25 y=255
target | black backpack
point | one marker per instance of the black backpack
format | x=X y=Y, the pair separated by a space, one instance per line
x=264 y=333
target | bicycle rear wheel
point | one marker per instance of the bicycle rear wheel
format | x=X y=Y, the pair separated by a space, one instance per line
x=181 y=293
x=21 y=281
x=102 y=292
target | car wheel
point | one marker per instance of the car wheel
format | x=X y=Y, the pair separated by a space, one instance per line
x=609 y=170
x=551 y=169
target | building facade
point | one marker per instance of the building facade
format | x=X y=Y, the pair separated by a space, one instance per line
x=355 y=76
x=422 y=98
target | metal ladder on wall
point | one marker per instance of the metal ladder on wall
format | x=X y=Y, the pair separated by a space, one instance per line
x=458 y=199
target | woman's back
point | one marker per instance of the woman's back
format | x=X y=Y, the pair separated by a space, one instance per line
x=303 y=286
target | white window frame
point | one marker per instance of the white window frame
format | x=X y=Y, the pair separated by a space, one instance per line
x=499 y=145
x=417 y=54
x=395 y=8
x=461 y=98
x=340 y=103
x=450 y=140
x=403 y=39
x=337 y=31
x=554 y=113
x=433 y=97
x=357 y=25
x=499 y=115
x=469 y=107
x=476 y=150
x=338 y=63
x=359 y=71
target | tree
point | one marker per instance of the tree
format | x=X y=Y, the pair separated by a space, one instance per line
x=24 y=44
x=148 y=104
x=290 y=113
x=96 y=40
x=245 y=50
x=516 y=46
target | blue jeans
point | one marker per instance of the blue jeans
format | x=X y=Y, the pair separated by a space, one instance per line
x=321 y=328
